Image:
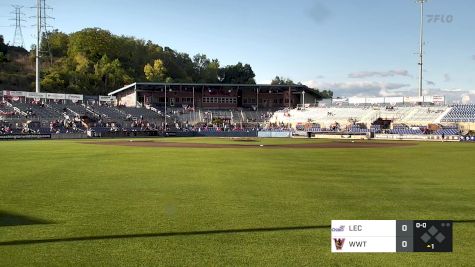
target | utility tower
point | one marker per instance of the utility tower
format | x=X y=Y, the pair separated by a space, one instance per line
x=41 y=28
x=18 y=36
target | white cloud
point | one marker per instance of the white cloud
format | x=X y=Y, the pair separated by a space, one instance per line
x=453 y=95
x=372 y=88
x=390 y=73
x=360 y=88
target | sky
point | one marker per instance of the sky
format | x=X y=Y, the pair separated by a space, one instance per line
x=353 y=47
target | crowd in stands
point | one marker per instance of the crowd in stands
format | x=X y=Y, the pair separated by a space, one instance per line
x=144 y=125
x=52 y=117
x=5 y=129
x=375 y=128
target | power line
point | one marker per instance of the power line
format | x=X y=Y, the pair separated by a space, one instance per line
x=45 y=27
x=44 y=16
x=41 y=28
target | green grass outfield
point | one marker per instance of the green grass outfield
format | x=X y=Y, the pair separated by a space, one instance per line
x=94 y=205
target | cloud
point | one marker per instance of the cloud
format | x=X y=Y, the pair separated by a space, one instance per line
x=390 y=73
x=431 y=83
x=360 y=88
x=372 y=88
x=319 y=77
x=447 y=78
x=319 y=13
x=473 y=57
x=453 y=95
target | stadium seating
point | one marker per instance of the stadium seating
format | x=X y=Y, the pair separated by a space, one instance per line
x=460 y=113
x=411 y=120
x=38 y=111
x=448 y=130
x=405 y=131
x=349 y=115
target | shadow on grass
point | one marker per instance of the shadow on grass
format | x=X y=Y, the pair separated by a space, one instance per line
x=169 y=234
x=11 y=219
x=192 y=233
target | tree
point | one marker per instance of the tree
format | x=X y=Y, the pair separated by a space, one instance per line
x=155 y=73
x=206 y=70
x=53 y=82
x=282 y=81
x=93 y=43
x=110 y=74
x=3 y=47
x=238 y=74
x=3 y=50
x=327 y=94
x=56 y=43
x=93 y=60
x=82 y=63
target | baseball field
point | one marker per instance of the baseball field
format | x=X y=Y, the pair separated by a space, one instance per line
x=207 y=202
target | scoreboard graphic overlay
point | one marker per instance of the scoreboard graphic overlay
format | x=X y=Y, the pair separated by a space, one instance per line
x=391 y=236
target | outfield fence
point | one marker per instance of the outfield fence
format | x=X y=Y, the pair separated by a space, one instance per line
x=24 y=136
x=415 y=137
x=274 y=134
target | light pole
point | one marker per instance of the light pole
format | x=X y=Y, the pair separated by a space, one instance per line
x=421 y=51
x=194 y=114
x=193 y=99
x=303 y=99
x=38 y=42
x=165 y=107
x=257 y=101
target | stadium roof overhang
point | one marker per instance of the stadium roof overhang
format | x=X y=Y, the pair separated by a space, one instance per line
x=155 y=86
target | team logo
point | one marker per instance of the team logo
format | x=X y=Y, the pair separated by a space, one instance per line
x=339 y=229
x=339 y=242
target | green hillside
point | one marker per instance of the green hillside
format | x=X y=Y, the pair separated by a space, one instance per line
x=95 y=61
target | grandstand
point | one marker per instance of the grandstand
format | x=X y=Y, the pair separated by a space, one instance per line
x=411 y=115
x=26 y=112
x=23 y=114
x=400 y=119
